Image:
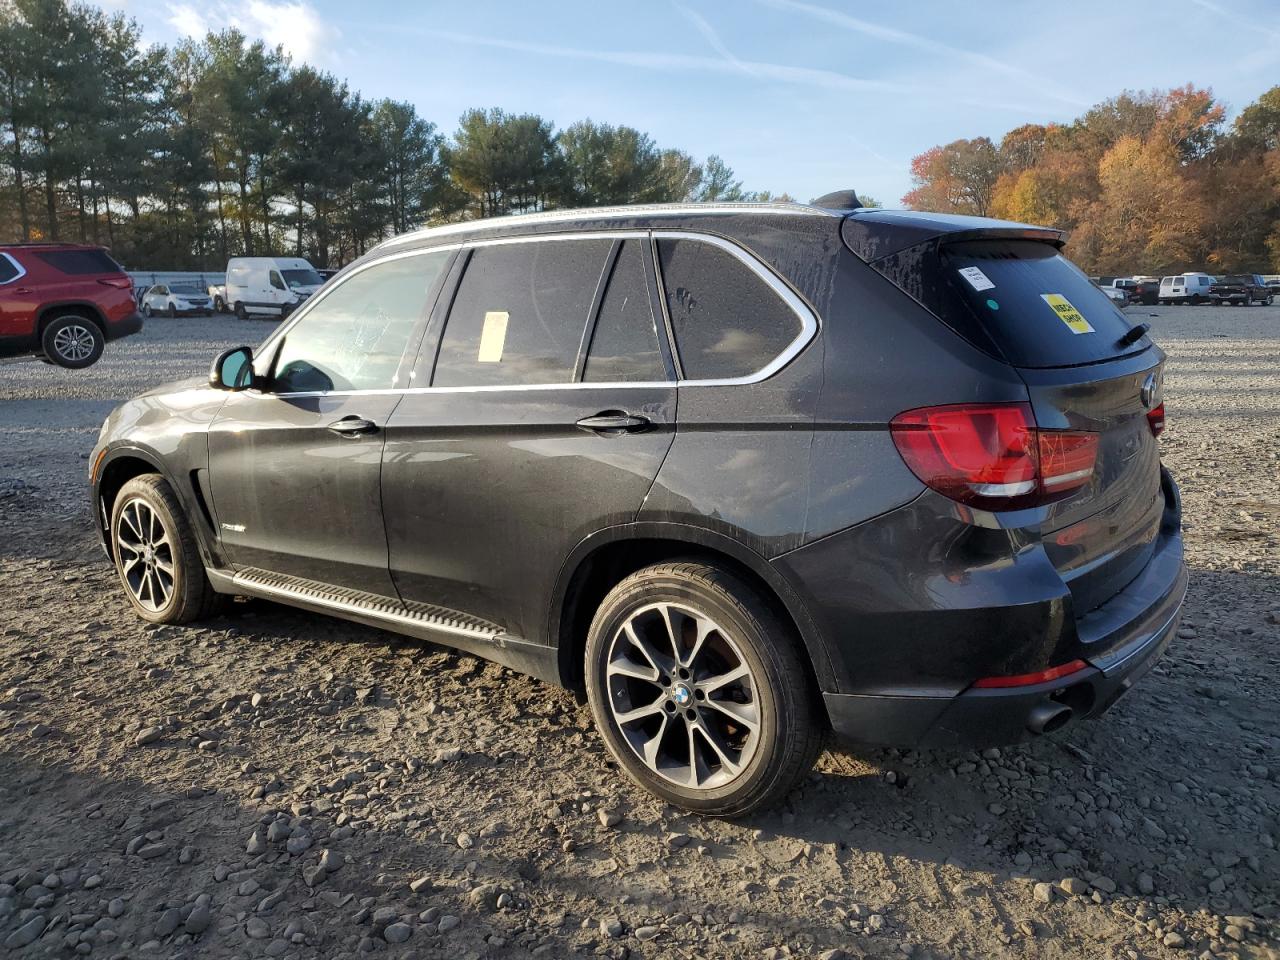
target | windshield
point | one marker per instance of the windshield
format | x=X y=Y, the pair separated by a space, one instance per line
x=186 y=290
x=301 y=278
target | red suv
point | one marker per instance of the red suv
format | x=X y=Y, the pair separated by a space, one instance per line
x=63 y=302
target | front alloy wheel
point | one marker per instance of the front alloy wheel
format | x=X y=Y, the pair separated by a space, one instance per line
x=156 y=555
x=699 y=689
x=146 y=555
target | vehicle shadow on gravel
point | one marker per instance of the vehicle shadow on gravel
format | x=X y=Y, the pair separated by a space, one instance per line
x=163 y=850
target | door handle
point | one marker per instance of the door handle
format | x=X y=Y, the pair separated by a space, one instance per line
x=353 y=426
x=614 y=421
x=22 y=291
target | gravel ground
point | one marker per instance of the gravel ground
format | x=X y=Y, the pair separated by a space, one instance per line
x=277 y=783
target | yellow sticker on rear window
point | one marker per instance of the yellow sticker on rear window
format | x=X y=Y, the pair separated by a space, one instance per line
x=1068 y=314
x=493 y=337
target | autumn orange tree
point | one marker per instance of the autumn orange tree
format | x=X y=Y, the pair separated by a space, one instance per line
x=1145 y=182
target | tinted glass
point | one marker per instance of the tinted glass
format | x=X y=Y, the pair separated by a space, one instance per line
x=189 y=289
x=353 y=339
x=520 y=313
x=624 y=345
x=1037 y=307
x=727 y=320
x=7 y=270
x=78 y=262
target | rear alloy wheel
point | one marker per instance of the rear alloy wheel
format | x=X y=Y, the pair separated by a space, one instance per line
x=156 y=555
x=699 y=690
x=73 y=341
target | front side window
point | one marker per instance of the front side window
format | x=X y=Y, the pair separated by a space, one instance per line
x=302 y=278
x=624 y=345
x=520 y=313
x=355 y=337
x=728 y=321
x=276 y=281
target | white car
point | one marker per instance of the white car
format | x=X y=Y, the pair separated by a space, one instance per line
x=176 y=299
x=1118 y=295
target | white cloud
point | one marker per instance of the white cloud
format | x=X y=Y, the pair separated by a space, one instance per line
x=294 y=25
x=187 y=20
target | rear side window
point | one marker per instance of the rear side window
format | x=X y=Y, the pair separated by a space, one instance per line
x=1036 y=306
x=520 y=313
x=79 y=262
x=624 y=344
x=8 y=268
x=728 y=322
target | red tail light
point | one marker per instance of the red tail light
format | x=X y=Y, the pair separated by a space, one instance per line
x=120 y=283
x=993 y=455
x=1155 y=417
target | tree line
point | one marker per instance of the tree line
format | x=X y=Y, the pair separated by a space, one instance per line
x=182 y=157
x=1149 y=182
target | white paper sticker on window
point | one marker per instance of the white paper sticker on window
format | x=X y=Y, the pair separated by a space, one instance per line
x=493 y=337
x=977 y=279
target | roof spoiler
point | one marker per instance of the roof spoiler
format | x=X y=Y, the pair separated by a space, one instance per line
x=873 y=234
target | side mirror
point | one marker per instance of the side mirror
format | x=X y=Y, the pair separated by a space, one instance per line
x=233 y=370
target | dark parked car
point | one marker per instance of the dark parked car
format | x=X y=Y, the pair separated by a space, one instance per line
x=1241 y=289
x=746 y=474
x=1146 y=292
x=63 y=302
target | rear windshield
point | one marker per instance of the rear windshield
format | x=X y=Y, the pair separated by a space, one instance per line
x=79 y=262
x=1036 y=306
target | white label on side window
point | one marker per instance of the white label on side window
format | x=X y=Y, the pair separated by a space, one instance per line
x=493 y=337
x=977 y=279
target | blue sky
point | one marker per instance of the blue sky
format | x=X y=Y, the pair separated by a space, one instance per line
x=796 y=96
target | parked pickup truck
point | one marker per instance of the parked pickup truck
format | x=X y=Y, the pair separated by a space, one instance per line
x=1242 y=289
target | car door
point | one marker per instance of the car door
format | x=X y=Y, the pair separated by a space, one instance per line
x=17 y=305
x=551 y=407
x=294 y=464
x=277 y=289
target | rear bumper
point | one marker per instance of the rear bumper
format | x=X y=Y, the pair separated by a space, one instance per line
x=981 y=718
x=1119 y=641
x=124 y=328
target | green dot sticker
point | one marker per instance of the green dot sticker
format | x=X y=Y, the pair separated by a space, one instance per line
x=993 y=305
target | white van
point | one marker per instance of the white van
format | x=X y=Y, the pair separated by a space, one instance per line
x=1185 y=288
x=270 y=286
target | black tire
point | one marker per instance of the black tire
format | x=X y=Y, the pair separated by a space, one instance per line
x=173 y=312
x=146 y=310
x=241 y=313
x=790 y=730
x=219 y=306
x=191 y=596
x=73 y=341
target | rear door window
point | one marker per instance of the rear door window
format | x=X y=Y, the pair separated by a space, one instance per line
x=1034 y=304
x=8 y=268
x=79 y=262
x=727 y=320
x=624 y=345
x=520 y=313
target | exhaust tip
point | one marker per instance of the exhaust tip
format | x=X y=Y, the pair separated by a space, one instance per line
x=1048 y=716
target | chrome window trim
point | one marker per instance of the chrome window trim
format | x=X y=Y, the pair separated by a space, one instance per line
x=808 y=317
x=22 y=271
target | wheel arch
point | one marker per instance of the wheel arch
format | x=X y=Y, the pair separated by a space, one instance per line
x=119 y=467
x=83 y=308
x=602 y=560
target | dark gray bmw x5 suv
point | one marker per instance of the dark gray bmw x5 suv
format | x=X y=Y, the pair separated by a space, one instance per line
x=746 y=474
